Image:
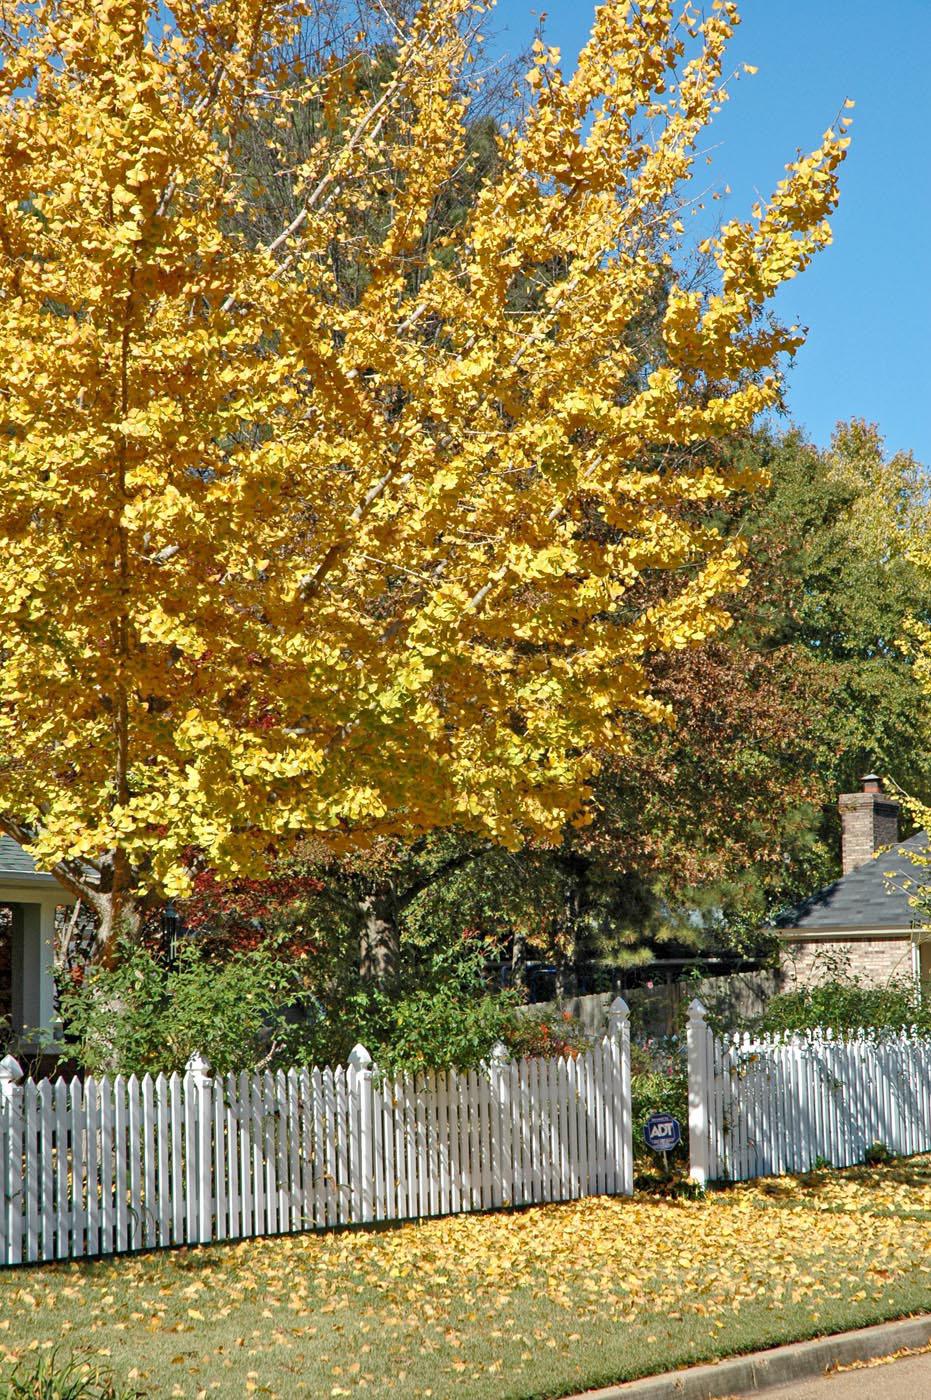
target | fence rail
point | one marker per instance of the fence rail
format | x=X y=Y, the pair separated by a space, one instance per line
x=111 y=1165
x=768 y=1105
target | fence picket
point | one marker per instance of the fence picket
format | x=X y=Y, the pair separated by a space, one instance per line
x=135 y=1165
x=76 y=1132
x=446 y=1126
x=220 y=1158
x=47 y=1162
x=329 y=1102
x=7 y=1090
x=407 y=1150
x=270 y=1126
x=177 y=1174
x=149 y=1201
x=295 y=1183
x=163 y=1145
x=62 y=1190
x=30 y=1106
x=282 y=1162
x=343 y=1181
x=248 y=1221
x=552 y=1108
x=319 y=1158
x=190 y=1095
x=465 y=1173
x=91 y=1165
x=106 y=1167
x=305 y=1147
x=517 y=1100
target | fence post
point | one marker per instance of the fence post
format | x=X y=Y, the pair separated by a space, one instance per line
x=622 y=1104
x=699 y=1061
x=364 y=1160
x=198 y=1067
x=500 y=1115
x=11 y=1158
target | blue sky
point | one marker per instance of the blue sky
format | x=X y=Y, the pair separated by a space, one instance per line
x=867 y=299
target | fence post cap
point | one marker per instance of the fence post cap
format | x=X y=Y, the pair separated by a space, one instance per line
x=619 y=1010
x=697 y=1010
x=198 y=1064
x=499 y=1053
x=360 y=1058
x=11 y=1071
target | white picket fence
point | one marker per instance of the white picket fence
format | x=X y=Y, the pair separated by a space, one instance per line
x=105 y=1166
x=769 y=1105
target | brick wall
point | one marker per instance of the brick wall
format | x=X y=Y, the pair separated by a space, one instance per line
x=869 y=821
x=870 y=960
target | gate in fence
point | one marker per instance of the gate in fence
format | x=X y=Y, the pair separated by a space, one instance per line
x=110 y=1165
x=767 y=1105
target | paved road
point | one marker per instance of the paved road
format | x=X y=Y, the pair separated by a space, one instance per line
x=909 y=1379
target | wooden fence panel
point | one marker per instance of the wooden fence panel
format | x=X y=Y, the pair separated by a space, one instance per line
x=777 y=1104
x=109 y=1166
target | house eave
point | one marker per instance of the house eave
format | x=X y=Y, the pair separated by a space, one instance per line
x=828 y=933
x=13 y=887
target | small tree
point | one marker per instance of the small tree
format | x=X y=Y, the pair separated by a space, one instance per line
x=275 y=560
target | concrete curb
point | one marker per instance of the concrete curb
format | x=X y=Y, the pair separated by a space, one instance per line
x=747 y=1375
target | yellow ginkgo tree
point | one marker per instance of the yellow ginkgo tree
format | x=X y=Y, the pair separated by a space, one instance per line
x=276 y=560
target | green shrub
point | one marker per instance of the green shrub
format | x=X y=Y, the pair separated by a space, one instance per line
x=877 y=1155
x=659 y=1084
x=142 y=1016
x=842 y=1004
x=263 y=1007
x=544 y=1034
x=50 y=1379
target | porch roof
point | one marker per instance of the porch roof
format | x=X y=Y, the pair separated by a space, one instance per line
x=19 y=869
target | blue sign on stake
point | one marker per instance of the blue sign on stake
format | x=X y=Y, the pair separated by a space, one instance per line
x=662 y=1132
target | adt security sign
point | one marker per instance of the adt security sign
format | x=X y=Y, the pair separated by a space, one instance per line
x=662 y=1132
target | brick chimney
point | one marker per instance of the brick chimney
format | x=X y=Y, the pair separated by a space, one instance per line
x=869 y=821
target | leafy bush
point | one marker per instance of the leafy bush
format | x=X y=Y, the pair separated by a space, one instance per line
x=545 y=1034
x=877 y=1155
x=48 y=1379
x=659 y=1084
x=270 y=1007
x=842 y=1004
x=422 y=1030
x=142 y=1016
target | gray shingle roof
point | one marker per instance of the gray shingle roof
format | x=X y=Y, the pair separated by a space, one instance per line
x=871 y=897
x=16 y=867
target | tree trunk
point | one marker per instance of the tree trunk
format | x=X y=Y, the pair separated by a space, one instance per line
x=519 y=964
x=118 y=907
x=575 y=871
x=380 y=941
x=119 y=917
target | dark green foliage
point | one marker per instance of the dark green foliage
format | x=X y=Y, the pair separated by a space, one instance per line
x=144 y=1017
x=846 y=587
x=442 y=1015
x=845 y=1006
x=877 y=1155
x=273 y=1008
x=52 y=1379
x=659 y=1084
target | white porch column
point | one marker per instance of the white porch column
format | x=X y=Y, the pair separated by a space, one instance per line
x=47 y=1017
x=37 y=992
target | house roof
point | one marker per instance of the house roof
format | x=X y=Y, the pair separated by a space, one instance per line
x=874 y=896
x=19 y=868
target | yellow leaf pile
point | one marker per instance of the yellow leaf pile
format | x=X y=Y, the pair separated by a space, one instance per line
x=499 y=1304
x=277 y=558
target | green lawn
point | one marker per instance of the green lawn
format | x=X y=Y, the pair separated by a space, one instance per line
x=532 y=1303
